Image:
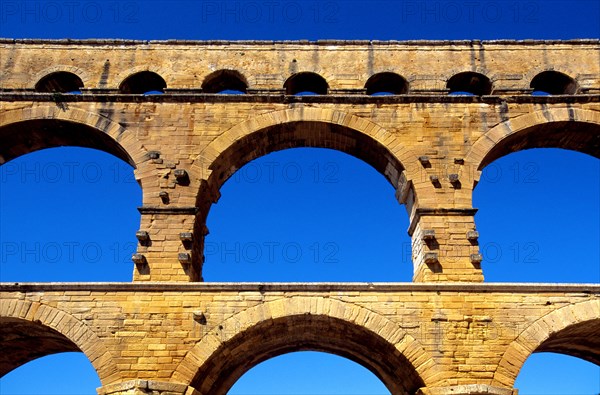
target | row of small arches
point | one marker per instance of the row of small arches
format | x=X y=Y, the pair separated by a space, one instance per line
x=309 y=83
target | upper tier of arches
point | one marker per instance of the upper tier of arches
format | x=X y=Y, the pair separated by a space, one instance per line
x=226 y=81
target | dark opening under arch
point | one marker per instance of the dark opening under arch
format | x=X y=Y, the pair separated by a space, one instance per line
x=23 y=137
x=306 y=82
x=581 y=340
x=469 y=82
x=61 y=82
x=223 y=81
x=143 y=82
x=23 y=341
x=386 y=82
x=553 y=83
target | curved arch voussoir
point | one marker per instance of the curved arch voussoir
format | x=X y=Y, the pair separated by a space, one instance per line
x=75 y=331
x=116 y=132
x=536 y=334
x=270 y=312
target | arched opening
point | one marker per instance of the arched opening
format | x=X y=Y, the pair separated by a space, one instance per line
x=581 y=340
x=69 y=213
x=225 y=82
x=469 y=83
x=545 y=226
x=65 y=373
x=572 y=331
x=60 y=82
x=553 y=83
x=23 y=341
x=20 y=138
x=386 y=83
x=531 y=229
x=307 y=214
x=310 y=373
x=48 y=331
x=294 y=173
x=24 y=345
x=306 y=83
x=561 y=374
x=305 y=332
x=143 y=82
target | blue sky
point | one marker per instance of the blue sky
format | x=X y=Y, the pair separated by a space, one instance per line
x=69 y=214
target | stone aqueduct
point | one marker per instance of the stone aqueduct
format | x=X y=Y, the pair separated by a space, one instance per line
x=169 y=333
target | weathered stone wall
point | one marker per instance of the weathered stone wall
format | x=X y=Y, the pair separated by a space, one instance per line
x=453 y=336
x=447 y=335
x=430 y=146
x=346 y=65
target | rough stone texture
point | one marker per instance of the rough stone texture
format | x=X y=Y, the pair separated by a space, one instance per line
x=444 y=334
x=451 y=338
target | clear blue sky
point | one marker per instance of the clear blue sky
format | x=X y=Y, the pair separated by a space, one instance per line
x=69 y=214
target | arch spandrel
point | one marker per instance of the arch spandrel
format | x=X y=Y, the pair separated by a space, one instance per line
x=222 y=356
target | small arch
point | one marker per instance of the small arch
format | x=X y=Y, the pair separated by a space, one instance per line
x=386 y=83
x=306 y=83
x=469 y=83
x=225 y=81
x=143 y=82
x=60 y=81
x=571 y=330
x=552 y=82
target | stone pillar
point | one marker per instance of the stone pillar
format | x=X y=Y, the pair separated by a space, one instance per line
x=164 y=250
x=444 y=245
x=469 y=389
x=147 y=387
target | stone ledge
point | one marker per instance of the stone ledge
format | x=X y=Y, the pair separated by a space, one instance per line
x=358 y=98
x=304 y=287
x=113 y=41
x=135 y=387
x=469 y=389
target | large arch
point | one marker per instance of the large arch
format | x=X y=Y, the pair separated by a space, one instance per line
x=30 y=330
x=300 y=323
x=301 y=127
x=568 y=128
x=306 y=127
x=572 y=330
x=70 y=127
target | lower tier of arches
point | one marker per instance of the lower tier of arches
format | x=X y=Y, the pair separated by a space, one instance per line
x=190 y=339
